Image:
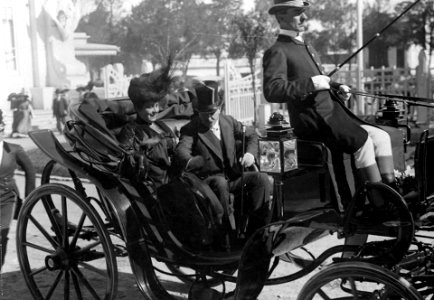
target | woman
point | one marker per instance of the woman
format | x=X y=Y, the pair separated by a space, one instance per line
x=152 y=140
x=25 y=108
x=11 y=155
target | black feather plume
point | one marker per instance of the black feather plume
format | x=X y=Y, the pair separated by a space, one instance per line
x=151 y=87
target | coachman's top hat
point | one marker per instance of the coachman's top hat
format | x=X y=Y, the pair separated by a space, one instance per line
x=207 y=97
x=282 y=4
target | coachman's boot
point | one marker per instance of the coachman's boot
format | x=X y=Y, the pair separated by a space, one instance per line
x=372 y=174
x=381 y=209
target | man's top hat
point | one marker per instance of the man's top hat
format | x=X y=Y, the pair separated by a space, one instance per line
x=282 y=4
x=207 y=97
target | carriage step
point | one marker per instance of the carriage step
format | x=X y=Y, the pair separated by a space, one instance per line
x=92 y=255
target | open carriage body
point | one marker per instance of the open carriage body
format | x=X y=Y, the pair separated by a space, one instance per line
x=131 y=214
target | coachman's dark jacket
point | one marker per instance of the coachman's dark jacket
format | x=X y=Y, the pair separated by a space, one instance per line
x=288 y=66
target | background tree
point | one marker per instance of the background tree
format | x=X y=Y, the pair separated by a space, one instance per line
x=102 y=26
x=156 y=30
x=375 y=18
x=216 y=20
x=417 y=26
x=332 y=29
x=252 y=34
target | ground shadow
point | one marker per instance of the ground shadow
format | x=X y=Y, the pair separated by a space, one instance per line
x=13 y=287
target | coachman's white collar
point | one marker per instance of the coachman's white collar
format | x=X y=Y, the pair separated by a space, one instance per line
x=291 y=33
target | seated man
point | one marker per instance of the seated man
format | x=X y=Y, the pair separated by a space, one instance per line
x=207 y=147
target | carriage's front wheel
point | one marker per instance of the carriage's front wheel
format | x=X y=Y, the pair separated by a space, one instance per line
x=63 y=248
x=357 y=280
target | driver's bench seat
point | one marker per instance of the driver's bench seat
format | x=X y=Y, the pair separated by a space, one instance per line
x=326 y=178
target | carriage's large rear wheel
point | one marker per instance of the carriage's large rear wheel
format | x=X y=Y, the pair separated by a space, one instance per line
x=63 y=247
x=357 y=280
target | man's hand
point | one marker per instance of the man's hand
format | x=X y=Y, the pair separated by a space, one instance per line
x=248 y=160
x=344 y=92
x=321 y=82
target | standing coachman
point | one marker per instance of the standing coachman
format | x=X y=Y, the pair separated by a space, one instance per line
x=293 y=75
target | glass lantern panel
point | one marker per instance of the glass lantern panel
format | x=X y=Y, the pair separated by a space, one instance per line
x=290 y=155
x=269 y=152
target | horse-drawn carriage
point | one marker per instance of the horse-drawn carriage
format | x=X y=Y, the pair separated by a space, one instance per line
x=68 y=238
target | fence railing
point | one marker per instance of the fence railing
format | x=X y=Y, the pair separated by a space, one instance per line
x=115 y=81
x=239 y=96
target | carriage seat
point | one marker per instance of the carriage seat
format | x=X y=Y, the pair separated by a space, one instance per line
x=326 y=177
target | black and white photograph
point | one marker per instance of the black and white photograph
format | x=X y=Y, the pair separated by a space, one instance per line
x=217 y=149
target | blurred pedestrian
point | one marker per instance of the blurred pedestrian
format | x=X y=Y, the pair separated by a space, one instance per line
x=13 y=99
x=60 y=108
x=25 y=110
x=11 y=155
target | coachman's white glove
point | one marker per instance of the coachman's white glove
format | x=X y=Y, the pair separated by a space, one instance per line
x=321 y=82
x=248 y=160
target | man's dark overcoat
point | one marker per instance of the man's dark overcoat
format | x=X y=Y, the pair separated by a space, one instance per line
x=13 y=156
x=219 y=155
x=60 y=107
x=288 y=66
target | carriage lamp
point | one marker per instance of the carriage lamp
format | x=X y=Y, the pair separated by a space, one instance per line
x=277 y=156
x=389 y=114
x=278 y=150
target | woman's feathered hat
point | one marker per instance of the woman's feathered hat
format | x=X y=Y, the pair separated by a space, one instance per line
x=151 y=87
